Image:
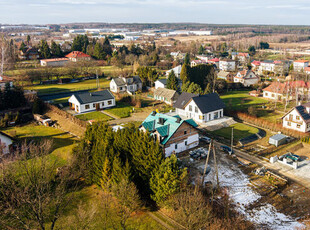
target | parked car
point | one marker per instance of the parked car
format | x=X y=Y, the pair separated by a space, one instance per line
x=226 y=149
x=205 y=139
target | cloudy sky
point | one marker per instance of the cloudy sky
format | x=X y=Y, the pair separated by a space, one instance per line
x=289 y=12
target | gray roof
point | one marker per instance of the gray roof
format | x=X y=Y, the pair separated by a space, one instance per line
x=205 y=103
x=119 y=81
x=164 y=81
x=88 y=97
x=303 y=113
x=183 y=99
x=136 y=79
x=208 y=103
x=278 y=137
x=166 y=93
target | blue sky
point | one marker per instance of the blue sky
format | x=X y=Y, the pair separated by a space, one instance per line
x=289 y=12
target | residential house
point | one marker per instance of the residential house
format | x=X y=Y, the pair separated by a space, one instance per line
x=227 y=76
x=90 y=101
x=176 y=70
x=227 y=65
x=177 y=55
x=300 y=65
x=281 y=67
x=197 y=62
x=162 y=83
x=202 y=108
x=168 y=96
x=307 y=70
x=5 y=80
x=241 y=57
x=54 y=62
x=203 y=58
x=255 y=93
x=278 y=91
x=29 y=53
x=76 y=56
x=298 y=118
x=174 y=134
x=5 y=143
x=246 y=78
x=214 y=61
x=255 y=65
x=267 y=65
x=126 y=84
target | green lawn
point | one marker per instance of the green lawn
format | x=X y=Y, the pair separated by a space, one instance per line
x=96 y=115
x=240 y=131
x=62 y=141
x=83 y=85
x=121 y=110
x=241 y=100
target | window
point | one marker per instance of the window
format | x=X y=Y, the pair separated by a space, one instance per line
x=297 y=118
x=185 y=142
x=102 y=104
x=291 y=117
x=209 y=116
x=175 y=146
x=196 y=109
x=94 y=105
x=190 y=108
x=185 y=132
x=298 y=126
x=110 y=102
x=86 y=106
x=288 y=123
x=272 y=95
x=266 y=94
x=200 y=117
x=215 y=115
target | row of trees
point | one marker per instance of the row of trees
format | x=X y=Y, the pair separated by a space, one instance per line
x=11 y=97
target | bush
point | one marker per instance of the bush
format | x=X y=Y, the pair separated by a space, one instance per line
x=38 y=106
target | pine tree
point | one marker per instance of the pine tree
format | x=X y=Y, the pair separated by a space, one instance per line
x=187 y=59
x=107 y=46
x=22 y=46
x=56 y=50
x=185 y=73
x=104 y=181
x=194 y=88
x=99 y=52
x=172 y=81
x=185 y=86
x=201 y=50
x=167 y=180
x=207 y=89
x=28 y=40
x=45 y=49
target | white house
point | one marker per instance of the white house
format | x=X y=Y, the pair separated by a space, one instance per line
x=298 y=118
x=5 y=142
x=5 y=80
x=54 y=62
x=174 y=134
x=201 y=108
x=86 y=102
x=246 y=77
x=197 y=62
x=227 y=65
x=162 y=83
x=126 y=84
x=300 y=65
x=241 y=57
x=76 y=56
x=203 y=58
x=176 y=70
x=267 y=65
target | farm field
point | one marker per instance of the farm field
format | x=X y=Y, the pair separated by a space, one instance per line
x=96 y=115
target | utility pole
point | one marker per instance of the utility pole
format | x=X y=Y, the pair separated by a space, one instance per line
x=232 y=140
x=216 y=169
x=97 y=80
x=206 y=164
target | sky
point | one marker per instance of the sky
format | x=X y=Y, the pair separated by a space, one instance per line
x=280 y=12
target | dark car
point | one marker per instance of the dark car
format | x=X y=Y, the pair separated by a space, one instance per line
x=226 y=149
x=205 y=139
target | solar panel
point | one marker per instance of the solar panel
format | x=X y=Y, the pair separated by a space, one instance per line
x=303 y=113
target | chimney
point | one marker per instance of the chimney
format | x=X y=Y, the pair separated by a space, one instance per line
x=161 y=121
x=153 y=113
x=179 y=119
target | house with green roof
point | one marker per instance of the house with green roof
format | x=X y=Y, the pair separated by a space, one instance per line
x=173 y=133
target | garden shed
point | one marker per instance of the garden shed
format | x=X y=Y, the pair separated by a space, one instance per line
x=278 y=139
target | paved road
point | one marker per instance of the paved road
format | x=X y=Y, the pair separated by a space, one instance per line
x=281 y=170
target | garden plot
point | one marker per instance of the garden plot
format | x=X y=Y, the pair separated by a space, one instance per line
x=247 y=200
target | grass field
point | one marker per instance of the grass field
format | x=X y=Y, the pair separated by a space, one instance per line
x=96 y=115
x=241 y=100
x=83 y=85
x=240 y=131
x=62 y=141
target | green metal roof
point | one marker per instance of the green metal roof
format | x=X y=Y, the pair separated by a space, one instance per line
x=169 y=126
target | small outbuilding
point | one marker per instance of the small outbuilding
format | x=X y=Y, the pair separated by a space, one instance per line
x=278 y=139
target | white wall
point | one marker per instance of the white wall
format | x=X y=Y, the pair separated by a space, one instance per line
x=5 y=142
x=192 y=141
x=159 y=84
x=293 y=123
x=92 y=106
x=227 y=66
